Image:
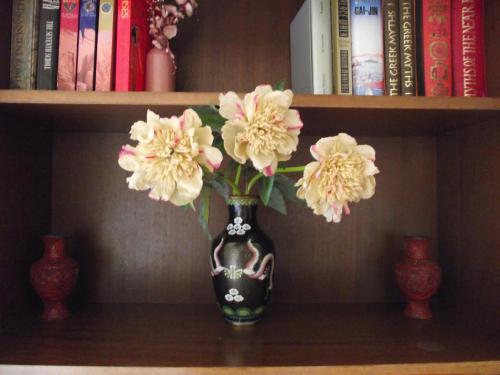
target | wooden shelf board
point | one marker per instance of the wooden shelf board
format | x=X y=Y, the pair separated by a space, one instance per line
x=177 y=336
x=142 y=99
x=322 y=114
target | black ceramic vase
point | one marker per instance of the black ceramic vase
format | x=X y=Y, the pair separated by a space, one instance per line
x=242 y=260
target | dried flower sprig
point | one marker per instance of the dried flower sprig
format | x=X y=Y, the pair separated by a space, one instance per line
x=163 y=18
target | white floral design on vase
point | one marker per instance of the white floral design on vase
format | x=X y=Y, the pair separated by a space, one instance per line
x=238 y=227
x=234 y=296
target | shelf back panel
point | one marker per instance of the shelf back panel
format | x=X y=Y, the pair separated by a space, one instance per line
x=469 y=213
x=25 y=170
x=134 y=249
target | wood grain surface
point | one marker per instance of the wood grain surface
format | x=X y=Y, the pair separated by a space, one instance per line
x=469 y=213
x=290 y=335
x=25 y=179
x=322 y=114
x=134 y=249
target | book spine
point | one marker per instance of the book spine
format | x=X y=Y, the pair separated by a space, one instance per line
x=408 y=47
x=47 y=45
x=321 y=46
x=123 y=40
x=105 y=46
x=140 y=45
x=436 y=46
x=468 y=48
x=24 y=44
x=68 y=45
x=341 y=42
x=301 y=50
x=87 y=33
x=391 y=47
x=367 y=47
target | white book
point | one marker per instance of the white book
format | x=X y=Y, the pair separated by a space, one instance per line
x=311 y=48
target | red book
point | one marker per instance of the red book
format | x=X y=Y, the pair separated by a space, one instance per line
x=68 y=45
x=469 y=74
x=436 y=34
x=132 y=43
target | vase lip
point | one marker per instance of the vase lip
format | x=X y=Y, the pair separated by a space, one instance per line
x=417 y=238
x=243 y=200
x=54 y=236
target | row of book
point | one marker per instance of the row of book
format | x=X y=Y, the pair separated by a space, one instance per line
x=79 y=45
x=389 y=47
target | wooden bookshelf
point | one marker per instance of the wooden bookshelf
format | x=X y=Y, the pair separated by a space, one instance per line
x=144 y=302
x=346 y=337
x=322 y=114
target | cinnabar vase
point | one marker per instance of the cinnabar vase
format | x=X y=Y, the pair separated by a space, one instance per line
x=242 y=260
x=418 y=277
x=54 y=277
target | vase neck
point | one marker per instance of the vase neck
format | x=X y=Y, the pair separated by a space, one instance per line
x=244 y=208
x=54 y=247
x=417 y=248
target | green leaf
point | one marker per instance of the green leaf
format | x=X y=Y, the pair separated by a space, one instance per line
x=280 y=85
x=287 y=187
x=277 y=201
x=204 y=209
x=265 y=188
x=210 y=116
x=220 y=186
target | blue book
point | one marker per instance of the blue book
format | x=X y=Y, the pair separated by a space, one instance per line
x=367 y=47
x=87 y=37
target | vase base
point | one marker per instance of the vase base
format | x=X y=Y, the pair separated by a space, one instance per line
x=242 y=323
x=418 y=310
x=56 y=311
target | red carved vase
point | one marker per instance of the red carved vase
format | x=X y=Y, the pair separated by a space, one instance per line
x=418 y=277
x=54 y=277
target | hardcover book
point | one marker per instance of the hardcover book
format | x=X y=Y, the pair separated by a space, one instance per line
x=47 y=45
x=367 y=47
x=436 y=46
x=311 y=48
x=468 y=48
x=24 y=44
x=68 y=45
x=132 y=43
x=341 y=42
x=105 y=46
x=87 y=32
x=391 y=47
x=408 y=47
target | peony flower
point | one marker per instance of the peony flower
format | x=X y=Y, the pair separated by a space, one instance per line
x=169 y=156
x=344 y=172
x=261 y=127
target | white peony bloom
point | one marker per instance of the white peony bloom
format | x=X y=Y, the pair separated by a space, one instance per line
x=261 y=127
x=344 y=172
x=169 y=156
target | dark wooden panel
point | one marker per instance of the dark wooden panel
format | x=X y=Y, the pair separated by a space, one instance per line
x=133 y=249
x=5 y=33
x=235 y=45
x=492 y=35
x=469 y=212
x=25 y=162
x=303 y=335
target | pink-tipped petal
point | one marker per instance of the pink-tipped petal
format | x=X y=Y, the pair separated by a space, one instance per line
x=268 y=171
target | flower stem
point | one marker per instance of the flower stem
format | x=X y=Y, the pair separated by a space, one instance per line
x=299 y=168
x=236 y=190
x=258 y=176
x=252 y=182
x=238 y=175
